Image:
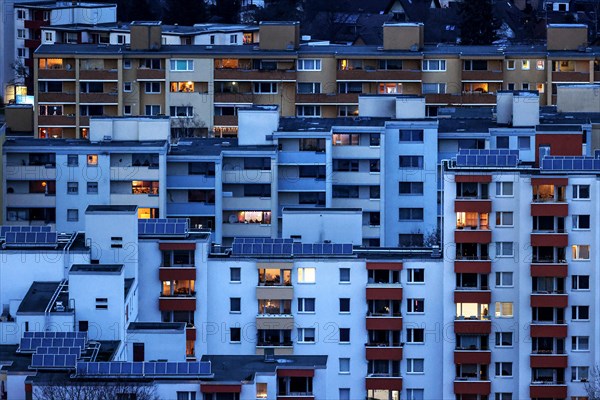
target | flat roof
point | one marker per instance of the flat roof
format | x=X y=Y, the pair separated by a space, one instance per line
x=111 y=209
x=96 y=268
x=133 y=145
x=299 y=124
x=18 y=362
x=156 y=326
x=39 y=297
x=213 y=147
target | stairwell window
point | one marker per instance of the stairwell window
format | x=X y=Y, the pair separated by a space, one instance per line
x=182 y=65
x=504 y=310
x=309 y=65
x=434 y=65
x=581 y=222
x=503 y=369
x=307 y=275
x=579 y=374
x=580 y=313
x=580 y=252
x=415 y=335
x=580 y=343
x=581 y=192
x=504 y=249
x=580 y=282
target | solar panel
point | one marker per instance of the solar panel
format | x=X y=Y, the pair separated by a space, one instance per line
x=571 y=163
x=60 y=361
x=151 y=368
x=31 y=239
x=163 y=226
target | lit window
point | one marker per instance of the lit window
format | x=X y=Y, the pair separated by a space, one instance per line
x=261 y=390
x=504 y=309
x=92 y=159
x=580 y=252
x=540 y=65
x=306 y=275
x=306 y=335
x=185 y=87
x=525 y=65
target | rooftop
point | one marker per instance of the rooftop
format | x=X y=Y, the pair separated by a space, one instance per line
x=96 y=268
x=41 y=297
x=132 y=145
x=111 y=209
x=155 y=326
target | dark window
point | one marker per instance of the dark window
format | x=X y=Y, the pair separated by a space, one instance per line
x=236 y=334
x=345 y=305
x=138 y=352
x=411 y=162
x=411 y=135
x=411 y=187
x=344 y=335
x=257 y=190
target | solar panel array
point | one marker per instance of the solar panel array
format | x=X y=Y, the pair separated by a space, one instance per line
x=31 y=344
x=163 y=226
x=4 y=229
x=268 y=247
x=60 y=361
x=149 y=368
x=570 y=163
x=261 y=240
x=57 y=335
x=596 y=153
x=76 y=351
x=28 y=239
x=487 y=158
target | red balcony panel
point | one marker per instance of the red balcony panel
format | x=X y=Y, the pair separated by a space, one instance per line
x=542 y=330
x=384 y=353
x=384 y=383
x=472 y=236
x=548 y=391
x=480 y=206
x=549 y=300
x=190 y=333
x=216 y=388
x=549 y=270
x=549 y=181
x=548 y=361
x=37 y=24
x=549 y=209
x=472 y=327
x=472 y=357
x=303 y=373
x=472 y=387
x=32 y=43
x=384 y=323
x=472 y=267
x=177 y=304
x=473 y=296
x=177 y=246
x=473 y=178
x=550 y=239
x=384 y=293
x=177 y=274
x=386 y=266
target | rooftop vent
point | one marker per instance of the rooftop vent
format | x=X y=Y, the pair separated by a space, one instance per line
x=435 y=252
x=59 y=306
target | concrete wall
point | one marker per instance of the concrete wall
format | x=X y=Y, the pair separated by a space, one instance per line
x=279 y=36
x=317 y=226
x=578 y=98
x=403 y=36
x=566 y=36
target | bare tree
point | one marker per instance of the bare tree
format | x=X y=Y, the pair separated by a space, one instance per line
x=68 y=389
x=592 y=386
x=20 y=75
x=183 y=126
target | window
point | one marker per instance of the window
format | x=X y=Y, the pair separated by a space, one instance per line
x=433 y=88
x=261 y=390
x=580 y=343
x=415 y=365
x=127 y=110
x=413 y=394
x=72 y=187
x=525 y=65
x=344 y=335
x=126 y=64
x=504 y=249
x=411 y=214
x=416 y=275
x=344 y=365
x=504 y=189
x=390 y=88
x=182 y=87
x=524 y=143
x=235 y=304
x=152 y=87
x=580 y=313
x=306 y=335
x=408 y=188
x=309 y=87
x=308 y=111
x=503 y=396
x=344 y=275
x=410 y=240
x=579 y=374
x=306 y=305
x=504 y=279
x=72 y=215
x=581 y=222
x=504 y=339
x=525 y=86
x=434 y=65
x=306 y=275
x=411 y=162
x=510 y=86
x=92 y=160
x=235 y=335
x=152 y=110
x=127 y=86
x=235 y=274
x=502 y=142
x=504 y=218
x=92 y=188
x=540 y=87
x=345 y=139
x=347 y=111
x=188 y=395
x=503 y=369
x=21 y=14
x=72 y=160
x=581 y=192
x=540 y=65
x=414 y=306
x=410 y=135
x=21 y=34
x=580 y=252
x=580 y=282
x=21 y=52
x=181 y=111
x=182 y=65
x=101 y=303
x=309 y=65
x=233 y=39
x=344 y=394
x=150 y=63
x=49 y=36
x=265 y=87
x=344 y=305
x=415 y=335
x=350 y=87
x=504 y=309
x=510 y=64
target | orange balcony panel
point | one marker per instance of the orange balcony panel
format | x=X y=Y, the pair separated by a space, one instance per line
x=32 y=43
x=549 y=300
x=472 y=267
x=472 y=387
x=473 y=296
x=56 y=120
x=384 y=323
x=472 y=236
x=383 y=383
x=549 y=270
x=473 y=178
x=99 y=75
x=110 y=98
x=190 y=333
x=548 y=391
x=326 y=98
x=379 y=75
x=548 y=361
x=177 y=274
x=480 y=206
x=474 y=327
x=177 y=304
x=384 y=293
x=254 y=75
x=549 y=181
x=550 y=239
x=47 y=97
x=386 y=266
x=549 y=209
x=35 y=24
x=384 y=353
x=542 y=330
x=472 y=357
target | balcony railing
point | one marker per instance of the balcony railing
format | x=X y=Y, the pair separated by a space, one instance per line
x=274 y=344
x=190 y=293
x=544 y=322
x=384 y=375
x=547 y=260
x=472 y=378
x=548 y=292
x=548 y=352
x=550 y=381
x=383 y=314
x=384 y=344
x=472 y=318
x=472 y=348
x=472 y=258
x=472 y=288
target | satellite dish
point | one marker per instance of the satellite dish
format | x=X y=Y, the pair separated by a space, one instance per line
x=233 y=219
x=68 y=67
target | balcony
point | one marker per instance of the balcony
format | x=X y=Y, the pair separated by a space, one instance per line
x=243 y=176
x=371 y=231
x=482 y=206
x=356 y=178
x=177 y=303
x=137 y=173
x=384 y=291
x=472 y=295
x=377 y=75
x=190 y=182
x=177 y=273
x=104 y=98
x=190 y=332
x=231 y=74
x=246 y=230
x=327 y=98
x=301 y=185
x=472 y=326
x=150 y=74
x=226 y=120
x=384 y=322
x=466 y=386
x=356 y=152
x=35 y=200
x=190 y=209
x=32 y=43
x=485 y=76
x=364 y=203
x=553 y=239
x=247 y=203
x=549 y=299
x=383 y=352
x=383 y=382
x=549 y=209
x=548 y=360
x=141 y=200
x=271 y=322
x=247 y=98
x=29 y=173
x=274 y=292
x=56 y=120
x=552 y=389
x=472 y=236
x=61 y=74
x=301 y=157
x=571 y=76
x=465 y=98
x=35 y=24
x=472 y=266
x=99 y=75
x=474 y=356
x=548 y=329
x=49 y=97
x=549 y=269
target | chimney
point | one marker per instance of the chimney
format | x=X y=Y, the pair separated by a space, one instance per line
x=403 y=36
x=281 y=35
x=146 y=35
